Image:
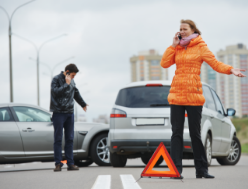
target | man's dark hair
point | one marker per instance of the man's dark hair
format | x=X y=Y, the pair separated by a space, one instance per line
x=72 y=68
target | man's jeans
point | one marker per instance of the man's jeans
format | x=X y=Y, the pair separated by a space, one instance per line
x=66 y=121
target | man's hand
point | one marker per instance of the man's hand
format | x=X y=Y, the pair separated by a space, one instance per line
x=85 y=108
x=68 y=79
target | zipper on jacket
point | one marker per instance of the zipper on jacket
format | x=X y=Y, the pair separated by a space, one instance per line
x=183 y=71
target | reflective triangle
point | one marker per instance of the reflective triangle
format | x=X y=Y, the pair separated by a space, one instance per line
x=64 y=161
x=160 y=151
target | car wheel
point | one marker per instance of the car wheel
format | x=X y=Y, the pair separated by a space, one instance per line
x=234 y=153
x=146 y=159
x=118 y=160
x=83 y=163
x=99 y=151
x=208 y=148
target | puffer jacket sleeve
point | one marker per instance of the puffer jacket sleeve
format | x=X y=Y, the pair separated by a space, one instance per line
x=168 y=58
x=218 y=66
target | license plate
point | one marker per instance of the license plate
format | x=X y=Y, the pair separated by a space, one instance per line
x=149 y=121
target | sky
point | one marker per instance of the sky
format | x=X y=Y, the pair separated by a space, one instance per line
x=102 y=35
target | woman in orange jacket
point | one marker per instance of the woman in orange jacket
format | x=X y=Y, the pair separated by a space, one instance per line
x=188 y=53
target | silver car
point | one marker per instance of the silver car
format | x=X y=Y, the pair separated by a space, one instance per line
x=140 y=120
x=26 y=134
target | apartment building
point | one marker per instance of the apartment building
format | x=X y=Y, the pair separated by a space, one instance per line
x=146 y=66
x=233 y=90
x=208 y=75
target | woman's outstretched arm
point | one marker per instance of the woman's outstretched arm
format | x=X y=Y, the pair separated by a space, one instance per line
x=218 y=66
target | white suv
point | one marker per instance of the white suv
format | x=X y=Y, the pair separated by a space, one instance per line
x=140 y=120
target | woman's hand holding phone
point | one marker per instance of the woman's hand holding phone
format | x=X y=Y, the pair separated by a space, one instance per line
x=176 y=40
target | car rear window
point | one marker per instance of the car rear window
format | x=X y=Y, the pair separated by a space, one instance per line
x=144 y=97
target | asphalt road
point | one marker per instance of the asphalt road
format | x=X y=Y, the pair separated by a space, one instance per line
x=40 y=175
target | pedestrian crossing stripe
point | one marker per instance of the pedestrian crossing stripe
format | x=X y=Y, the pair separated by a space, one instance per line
x=160 y=151
x=128 y=182
x=104 y=182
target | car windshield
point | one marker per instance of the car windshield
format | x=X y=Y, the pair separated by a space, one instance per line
x=144 y=97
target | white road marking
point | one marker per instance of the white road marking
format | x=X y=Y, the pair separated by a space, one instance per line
x=102 y=182
x=129 y=182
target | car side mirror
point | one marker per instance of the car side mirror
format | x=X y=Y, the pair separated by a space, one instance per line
x=230 y=112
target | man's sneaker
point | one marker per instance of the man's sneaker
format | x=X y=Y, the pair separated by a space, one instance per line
x=72 y=168
x=57 y=168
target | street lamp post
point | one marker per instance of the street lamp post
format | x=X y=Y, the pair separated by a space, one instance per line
x=38 y=49
x=10 y=48
x=52 y=69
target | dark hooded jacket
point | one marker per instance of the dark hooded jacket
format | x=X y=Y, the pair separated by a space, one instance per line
x=63 y=95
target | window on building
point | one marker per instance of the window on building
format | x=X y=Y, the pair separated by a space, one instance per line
x=243 y=65
x=155 y=62
x=155 y=78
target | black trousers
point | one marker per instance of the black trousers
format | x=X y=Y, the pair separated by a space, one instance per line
x=194 y=120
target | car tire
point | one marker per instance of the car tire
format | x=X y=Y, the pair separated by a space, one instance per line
x=146 y=159
x=208 y=149
x=118 y=160
x=99 y=152
x=234 y=155
x=83 y=163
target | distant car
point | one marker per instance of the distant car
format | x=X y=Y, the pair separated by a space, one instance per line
x=140 y=120
x=26 y=135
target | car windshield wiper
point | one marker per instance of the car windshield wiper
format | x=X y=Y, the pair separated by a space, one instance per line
x=160 y=105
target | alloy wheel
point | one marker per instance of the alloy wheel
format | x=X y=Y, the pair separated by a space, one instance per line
x=208 y=150
x=234 y=151
x=102 y=150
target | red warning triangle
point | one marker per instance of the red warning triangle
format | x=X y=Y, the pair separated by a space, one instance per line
x=160 y=151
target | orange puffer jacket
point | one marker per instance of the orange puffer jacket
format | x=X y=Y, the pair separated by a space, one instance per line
x=186 y=87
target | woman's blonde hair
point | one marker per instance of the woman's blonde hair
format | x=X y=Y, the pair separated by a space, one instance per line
x=192 y=25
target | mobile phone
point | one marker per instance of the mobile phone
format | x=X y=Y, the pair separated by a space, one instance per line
x=68 y=73
x=179 y=36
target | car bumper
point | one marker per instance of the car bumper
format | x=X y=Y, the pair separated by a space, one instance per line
x=132 y=146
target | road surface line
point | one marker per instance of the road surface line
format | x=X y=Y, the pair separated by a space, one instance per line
x=129 y=182
x=102 y=182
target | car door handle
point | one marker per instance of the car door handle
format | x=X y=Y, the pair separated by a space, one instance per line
x=29 y=130
x=211 y=116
